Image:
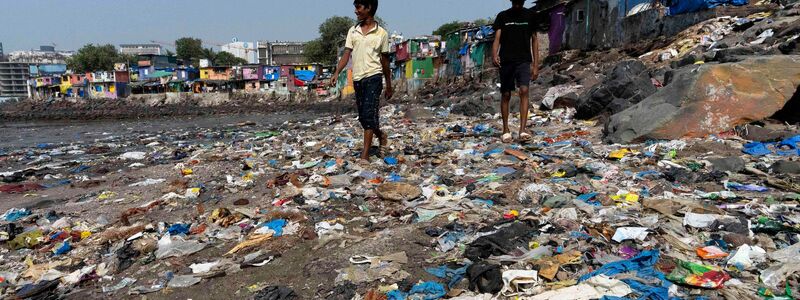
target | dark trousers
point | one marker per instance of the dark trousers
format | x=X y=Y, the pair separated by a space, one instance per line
x=368 y=100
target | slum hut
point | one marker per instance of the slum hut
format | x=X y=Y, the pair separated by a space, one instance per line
x=46 y=86
x=605 y=24
x=469 y=52
x=214 y=79
x=102 y=85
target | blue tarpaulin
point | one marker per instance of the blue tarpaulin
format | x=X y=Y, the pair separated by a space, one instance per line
x=686 y=6
x=644 y=266
x=305 y=75
x=787 y=147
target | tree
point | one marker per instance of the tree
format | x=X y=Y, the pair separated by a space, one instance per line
x=314 y=51
x=228 y=59
x=208 y=53
x=447 y=28
x=90 y=58
x=332 y=35
x=189 y=49
x=483 y=22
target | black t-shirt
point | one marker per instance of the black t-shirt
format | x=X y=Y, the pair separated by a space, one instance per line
x=517 y=25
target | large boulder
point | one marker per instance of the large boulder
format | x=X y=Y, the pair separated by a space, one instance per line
x=628 y=83
x=709 y=99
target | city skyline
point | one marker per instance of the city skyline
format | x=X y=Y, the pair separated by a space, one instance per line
x=214 y=22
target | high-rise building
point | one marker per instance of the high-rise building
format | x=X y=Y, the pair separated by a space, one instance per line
x=14 y=78
x=263 y=53
x=141 y=49
x=243 y=50
x=1 y=50
x=281 y=53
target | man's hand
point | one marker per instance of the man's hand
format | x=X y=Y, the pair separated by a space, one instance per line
x=334 y=79
x=496 y=60
x=389 y=92
x=534 y=72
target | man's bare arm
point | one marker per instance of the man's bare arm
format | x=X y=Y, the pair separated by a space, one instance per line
x=342 y=63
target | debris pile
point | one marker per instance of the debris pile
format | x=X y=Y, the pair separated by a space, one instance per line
x=698 y=201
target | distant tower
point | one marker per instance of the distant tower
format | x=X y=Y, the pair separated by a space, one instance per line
x=1 y=49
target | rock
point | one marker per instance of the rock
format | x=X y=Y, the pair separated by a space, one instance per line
x=785 y=167
x=418 y=113
x=767 y=133
x=628 y=83
x=687 y=60
x=728 y=164
x=789 y=112
x=733 y=54
x=398 y=191
x=710 y=99
x=789 y=47
x=474 y=107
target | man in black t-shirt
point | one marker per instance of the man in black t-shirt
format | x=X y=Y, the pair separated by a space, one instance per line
x=515 y=51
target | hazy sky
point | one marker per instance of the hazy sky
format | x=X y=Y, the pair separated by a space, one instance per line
x=27 y=24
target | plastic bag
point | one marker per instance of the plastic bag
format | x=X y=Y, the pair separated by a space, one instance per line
x=169 y=246
x=698 y=275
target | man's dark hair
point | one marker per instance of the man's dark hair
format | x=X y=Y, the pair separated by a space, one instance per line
x=372 y=4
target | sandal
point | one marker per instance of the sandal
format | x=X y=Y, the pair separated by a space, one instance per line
x=525 y=137
x=506 y=138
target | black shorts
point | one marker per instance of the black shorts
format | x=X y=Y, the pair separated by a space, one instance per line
x=368 y=100
x=514 y=75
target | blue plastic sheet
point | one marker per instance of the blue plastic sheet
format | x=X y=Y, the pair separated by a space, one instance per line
x=390 y=161
x=428 y=290
x=715 y=3
x=179 y=229
x=504 y=171
x=742 y=187
x=16 y=214
x=588 y=198
x=756 y=149
x=57 y=183
x=455 y=275
x=686 y=6
x=396 y=295
x=304 y=75
x=277 y=226
x=63 y=248
x=394 y=177
x=761 y=149
x=643 y=264
x=79 y=169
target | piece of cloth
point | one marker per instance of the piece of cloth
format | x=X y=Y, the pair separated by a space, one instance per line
x=516 y=27
x=478 y=54
x=368 y=97
x=485 y=278
x=275 y=293
x=428 y=290
x=367 y=49
x=558 y=23
x=276 y=226
x=501 y=242
x=513 y=75
x=644 y=266
x=402 y=52
x=455 y=275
